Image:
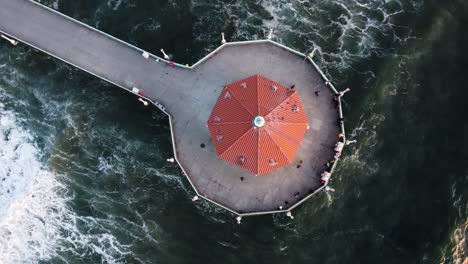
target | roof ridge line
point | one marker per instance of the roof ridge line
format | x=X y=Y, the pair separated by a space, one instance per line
x=293 y=92
x=277 y=146
x=257 y=80
x=258 y=97
x=235 y=141
x=258 y=152
x=229 y=123
x=234 y=95
x=288 y=122
x=286 y=136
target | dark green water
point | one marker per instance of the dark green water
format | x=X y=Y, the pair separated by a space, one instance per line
x=83 y=177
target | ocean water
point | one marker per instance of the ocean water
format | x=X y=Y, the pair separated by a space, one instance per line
x=83 y=176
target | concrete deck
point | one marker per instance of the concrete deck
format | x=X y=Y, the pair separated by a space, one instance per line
x=189 y=95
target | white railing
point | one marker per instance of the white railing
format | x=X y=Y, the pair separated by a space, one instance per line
x=161 y=108
x=325 y=79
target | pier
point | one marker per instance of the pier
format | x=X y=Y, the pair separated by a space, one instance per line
x=187 y=94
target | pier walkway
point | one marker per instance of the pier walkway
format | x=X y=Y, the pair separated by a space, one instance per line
x=189 y=94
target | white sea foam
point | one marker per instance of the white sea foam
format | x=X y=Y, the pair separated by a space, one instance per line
x=31 y=204
x=55 y=4
x=350 y=28
x=52 y=3
x=114 y=4
x=343 y=30
x=459 y=252
x=35 y=221
x=366 y=135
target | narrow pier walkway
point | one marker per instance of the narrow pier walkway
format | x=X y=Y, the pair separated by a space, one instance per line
x=189 y=94
x=85 y=48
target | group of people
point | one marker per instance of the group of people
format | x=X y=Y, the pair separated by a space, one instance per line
x=325 y=175
x=336 y=101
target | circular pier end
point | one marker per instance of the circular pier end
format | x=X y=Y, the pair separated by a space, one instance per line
x=288 y=162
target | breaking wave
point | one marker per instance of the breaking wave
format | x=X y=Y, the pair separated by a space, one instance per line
x=32 y=201
x=459 y=251
x=36 y=223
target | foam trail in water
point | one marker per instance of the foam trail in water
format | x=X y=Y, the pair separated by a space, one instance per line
x=31 y=207
x=344 y=31
x=459 y=251
x=35 y=222
x=350 y=30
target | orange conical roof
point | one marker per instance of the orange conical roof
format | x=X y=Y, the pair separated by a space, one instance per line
x=257 y=124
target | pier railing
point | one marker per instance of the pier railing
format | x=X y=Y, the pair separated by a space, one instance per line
x=324 y=78
x=100 y=32
x=162 y=108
